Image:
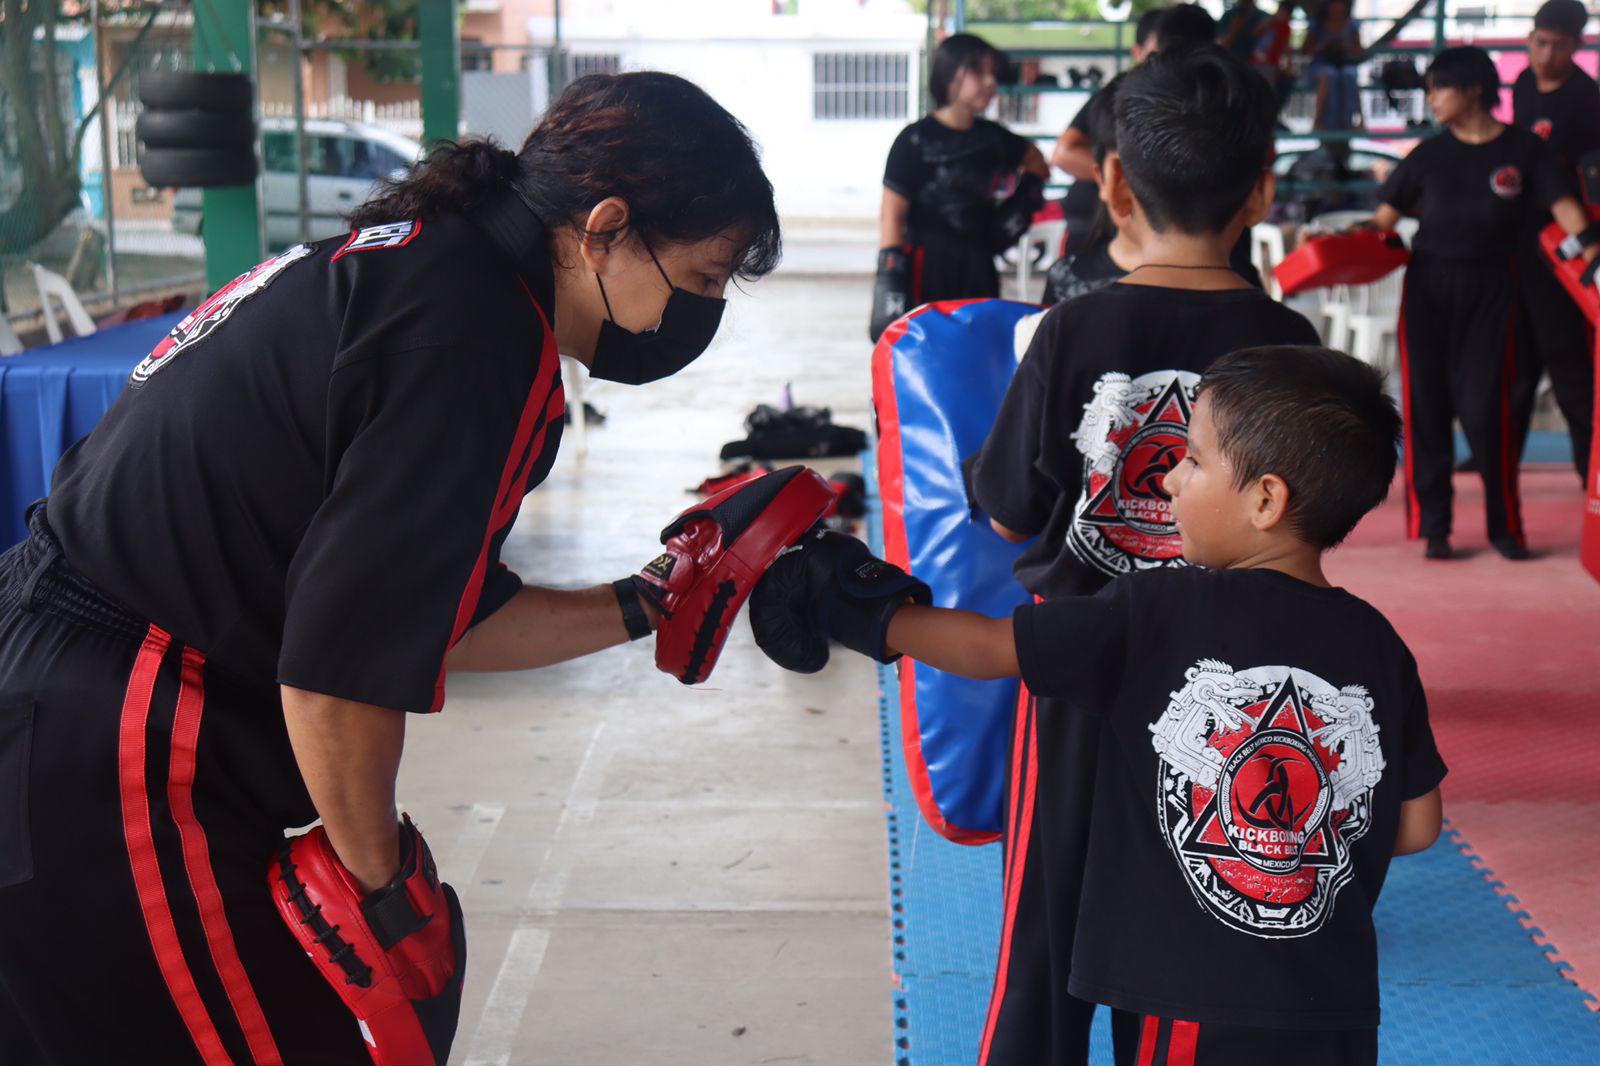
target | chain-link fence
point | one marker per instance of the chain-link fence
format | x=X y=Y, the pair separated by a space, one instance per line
x=71 y=199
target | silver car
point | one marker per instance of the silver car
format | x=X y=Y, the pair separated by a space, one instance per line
x=344 y=163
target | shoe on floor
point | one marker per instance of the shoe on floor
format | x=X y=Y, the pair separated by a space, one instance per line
x=1438 y=548
x=1512 y=549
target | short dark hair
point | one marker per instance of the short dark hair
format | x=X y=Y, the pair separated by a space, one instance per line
x=1562 y=16
x=1465 y=67
x=1195 y=131
x=1102 y=119
x=1318 y=419
x=1185 y=24
x=958 y=52
x=1148 y=24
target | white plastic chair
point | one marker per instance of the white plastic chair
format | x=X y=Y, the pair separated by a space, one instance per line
x=1374 y=321
x=10 y=343
x=572 y=380
x=53 y=285
x=1266 y=252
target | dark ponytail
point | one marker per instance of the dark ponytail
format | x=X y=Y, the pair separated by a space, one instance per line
x=686 y=167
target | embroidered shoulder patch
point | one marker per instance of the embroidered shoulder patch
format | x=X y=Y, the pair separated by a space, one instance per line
x=388 y=235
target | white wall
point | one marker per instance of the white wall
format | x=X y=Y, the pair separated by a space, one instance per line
x=759 y=66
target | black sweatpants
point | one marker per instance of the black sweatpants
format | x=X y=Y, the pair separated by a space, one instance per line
x=1458 y=354
x=1032 y=1020
x=1145 y=1040
x=949 y=267
x=1558 y=342
x=135 y=920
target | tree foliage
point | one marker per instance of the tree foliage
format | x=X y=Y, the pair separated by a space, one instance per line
x=363 y=20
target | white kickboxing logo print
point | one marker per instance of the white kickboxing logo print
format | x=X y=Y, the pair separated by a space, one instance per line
x=1264 y=782
x=1133 y=432
x=198 y=324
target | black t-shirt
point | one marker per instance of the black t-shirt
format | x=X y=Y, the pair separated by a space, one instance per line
x=1474 y=200
x=1568 y=119
x=1260 y=734
x=953 y=178
x=311 y=479
x=1098 y=411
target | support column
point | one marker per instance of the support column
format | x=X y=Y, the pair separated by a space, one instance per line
x=438 y=27
x=225 y=40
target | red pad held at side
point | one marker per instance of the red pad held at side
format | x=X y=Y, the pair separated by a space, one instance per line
x=1358 y=258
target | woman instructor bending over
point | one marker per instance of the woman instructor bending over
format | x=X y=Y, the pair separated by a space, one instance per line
x=284 y=536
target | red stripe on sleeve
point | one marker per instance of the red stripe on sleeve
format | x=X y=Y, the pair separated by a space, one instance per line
x=526 y=446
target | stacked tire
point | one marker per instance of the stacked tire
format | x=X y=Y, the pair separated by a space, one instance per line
x=196 y=129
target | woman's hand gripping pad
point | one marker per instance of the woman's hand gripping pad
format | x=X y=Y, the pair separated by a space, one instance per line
x=396 y=956
x=715 y=553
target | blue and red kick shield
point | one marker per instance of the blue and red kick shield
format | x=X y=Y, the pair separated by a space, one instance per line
x=938 y=376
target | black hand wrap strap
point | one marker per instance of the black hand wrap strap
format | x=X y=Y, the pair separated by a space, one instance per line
x=633 y=616
x=1589 y=271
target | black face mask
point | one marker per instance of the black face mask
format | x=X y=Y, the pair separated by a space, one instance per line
x=688 y=323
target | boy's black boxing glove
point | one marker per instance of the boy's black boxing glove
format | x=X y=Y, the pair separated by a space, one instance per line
x=829 y=586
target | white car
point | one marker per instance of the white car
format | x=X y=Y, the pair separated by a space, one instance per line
x=344 y=163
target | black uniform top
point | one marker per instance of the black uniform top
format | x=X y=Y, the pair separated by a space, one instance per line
x=953 y=178
x=1567 y=119
x=311 y=478
x=1097 y=413
x=1474 y=200
x=1247 y=795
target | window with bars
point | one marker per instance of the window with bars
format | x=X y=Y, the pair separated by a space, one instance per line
x=579 y=64
x=861 y=85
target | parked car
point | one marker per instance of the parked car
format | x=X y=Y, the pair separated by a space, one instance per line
x=1315 y=178
x=344 y=163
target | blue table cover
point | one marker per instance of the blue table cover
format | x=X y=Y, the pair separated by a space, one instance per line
x=50 y=398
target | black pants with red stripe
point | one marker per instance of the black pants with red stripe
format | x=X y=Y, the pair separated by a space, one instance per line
x=1032 y=1020
x=950 y=267
x=1559 y=343
x=1145 y=1040
x=144 y=795
x=1458 y=354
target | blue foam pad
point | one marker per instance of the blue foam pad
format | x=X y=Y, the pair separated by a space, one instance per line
x=938 y=377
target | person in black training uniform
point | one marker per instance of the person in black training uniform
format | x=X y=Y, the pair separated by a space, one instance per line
x=955 y=188
x=285 y=536
x=1472 y=188
x=1267 y=745
x=1095 y=417
x=1109 y=252
x=1560 y=104
x=1074 y=152
x=1087 y=258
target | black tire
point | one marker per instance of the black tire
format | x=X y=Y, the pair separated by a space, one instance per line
x=197 y=167
x=182 y=90
x=195 y=129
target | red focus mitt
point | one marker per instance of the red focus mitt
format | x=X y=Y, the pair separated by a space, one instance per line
x=715 y=553
x=1360 y=257
x=395 y=956
x=1577 y=277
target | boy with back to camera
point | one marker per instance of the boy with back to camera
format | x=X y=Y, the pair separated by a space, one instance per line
x=1265 y=748
x=1097 y=413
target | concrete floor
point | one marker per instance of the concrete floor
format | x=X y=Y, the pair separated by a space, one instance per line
x=652 y=873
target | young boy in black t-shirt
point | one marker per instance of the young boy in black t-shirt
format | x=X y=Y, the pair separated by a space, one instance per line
x=1265 y=744
x=1556 y=101
x=1097 y=413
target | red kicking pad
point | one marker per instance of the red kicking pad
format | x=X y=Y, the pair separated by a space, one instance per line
x=1358 y=258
